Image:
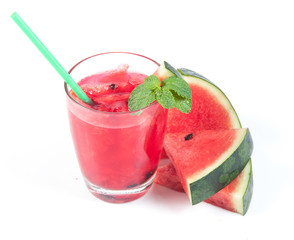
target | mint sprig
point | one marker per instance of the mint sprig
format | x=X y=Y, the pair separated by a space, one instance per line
x=173 y=92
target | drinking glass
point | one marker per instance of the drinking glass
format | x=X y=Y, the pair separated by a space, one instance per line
x=118 y=152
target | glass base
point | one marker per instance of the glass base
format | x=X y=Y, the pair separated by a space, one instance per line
x=120 y=196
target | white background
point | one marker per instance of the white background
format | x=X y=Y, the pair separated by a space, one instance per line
x=245 y=47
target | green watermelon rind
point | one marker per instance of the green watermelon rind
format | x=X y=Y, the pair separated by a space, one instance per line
x=188 y=72
x=224 y=174
x=248 y=193
x=166 y=70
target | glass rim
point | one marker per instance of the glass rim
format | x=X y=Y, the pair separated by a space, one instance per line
x=105 y=112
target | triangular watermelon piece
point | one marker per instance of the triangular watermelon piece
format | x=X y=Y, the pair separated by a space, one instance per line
x=208 y=160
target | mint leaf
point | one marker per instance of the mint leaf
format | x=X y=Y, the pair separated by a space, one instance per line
x=152 y=82
x=182 y=104
x=140 y=97
x=180 y=86
x=174 y=92
x=165 y=98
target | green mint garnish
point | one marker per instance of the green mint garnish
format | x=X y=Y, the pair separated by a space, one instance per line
x=173 y=92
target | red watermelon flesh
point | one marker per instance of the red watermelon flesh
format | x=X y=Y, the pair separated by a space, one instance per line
x=167 y=176
x=209 y=111
x=207 y=147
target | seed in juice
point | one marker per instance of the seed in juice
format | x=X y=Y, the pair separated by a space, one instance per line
x=149 y=174
x=113 y=86
x=132 y=185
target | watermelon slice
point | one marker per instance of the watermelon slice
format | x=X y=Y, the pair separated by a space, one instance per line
x=235 y=197
x=211 y=109
x=208 y=160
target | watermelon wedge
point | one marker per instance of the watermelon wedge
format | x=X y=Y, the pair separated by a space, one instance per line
x=211 y=109
x=207 y=161
x=235 y=197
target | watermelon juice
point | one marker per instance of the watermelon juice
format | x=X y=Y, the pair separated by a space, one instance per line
x=118 y=151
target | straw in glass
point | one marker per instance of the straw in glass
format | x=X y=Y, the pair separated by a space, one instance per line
x=47 y=54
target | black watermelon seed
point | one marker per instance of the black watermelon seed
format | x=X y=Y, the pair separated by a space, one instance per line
x=113 y=86
x=189 y=136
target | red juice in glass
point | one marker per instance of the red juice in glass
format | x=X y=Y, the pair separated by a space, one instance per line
x=118 y=151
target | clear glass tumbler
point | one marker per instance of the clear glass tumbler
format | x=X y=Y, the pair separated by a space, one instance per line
x=118 y=152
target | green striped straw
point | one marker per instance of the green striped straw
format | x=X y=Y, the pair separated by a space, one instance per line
x=51 y=59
